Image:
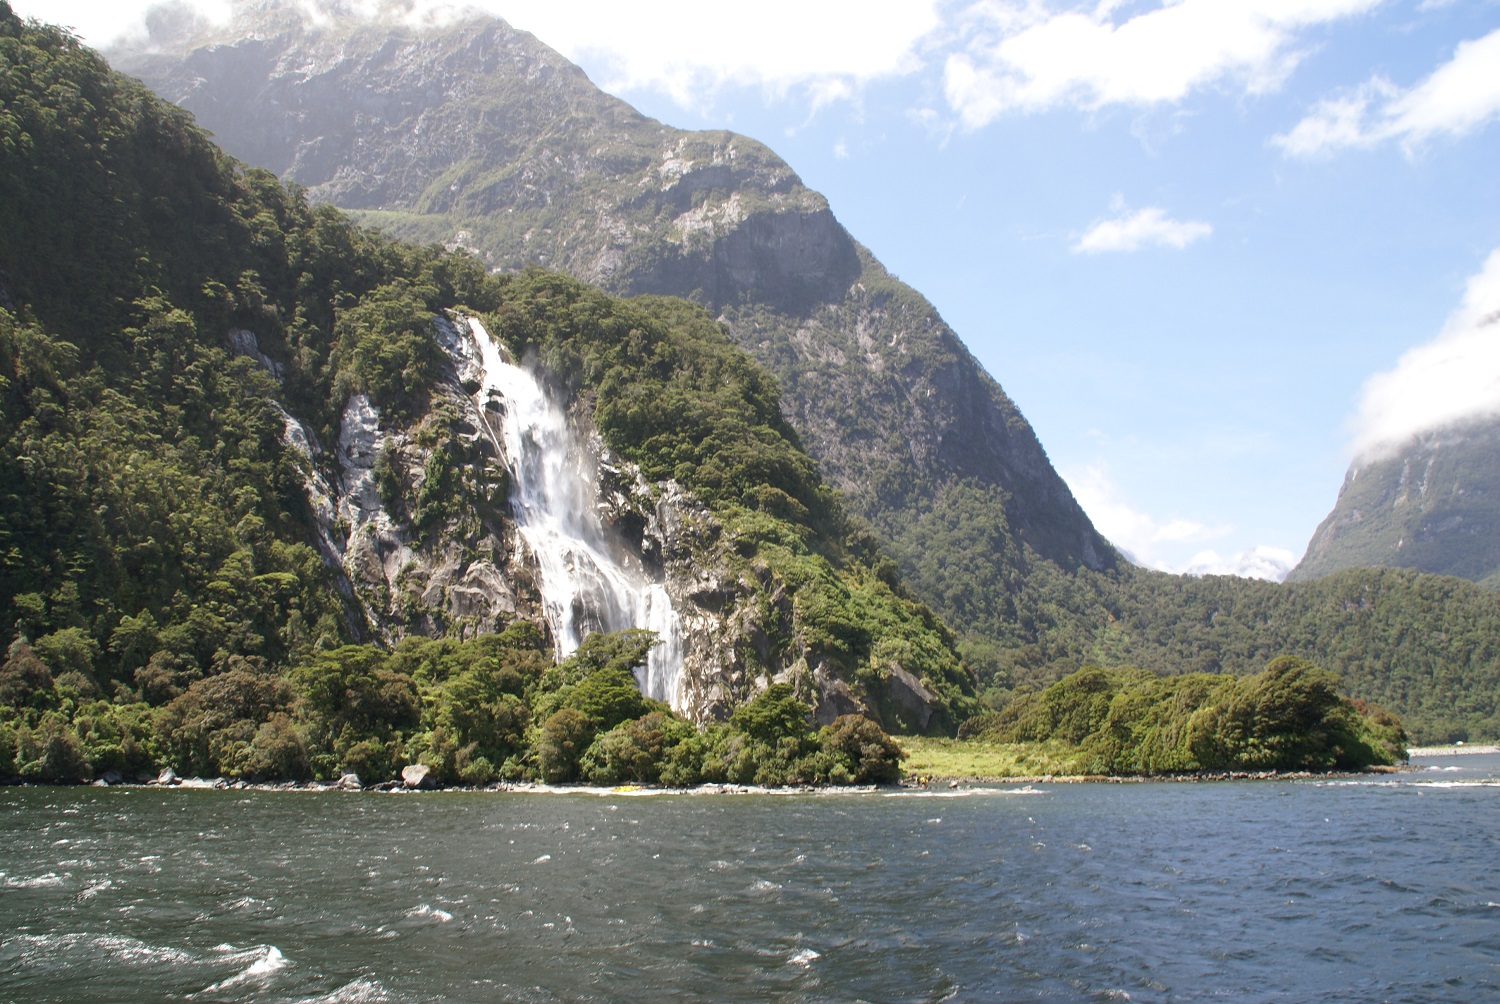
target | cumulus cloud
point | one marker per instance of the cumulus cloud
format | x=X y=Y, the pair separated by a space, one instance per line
x=144 y=22
x=1149 y=227
x=995 y=56
x=826 y=51
x=101 y=23
x=1454 y=377
x=1459 y=97
x=1030 y=57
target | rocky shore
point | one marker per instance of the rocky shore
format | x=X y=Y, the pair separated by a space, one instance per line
x=417 y=778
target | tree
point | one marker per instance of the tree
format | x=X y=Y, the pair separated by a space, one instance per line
x=860 y=751
x=564 y=738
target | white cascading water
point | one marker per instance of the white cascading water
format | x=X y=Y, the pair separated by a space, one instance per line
x=586 y=583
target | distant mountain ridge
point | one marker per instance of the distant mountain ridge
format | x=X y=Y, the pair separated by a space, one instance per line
x=476 y=134
x=1432 y=505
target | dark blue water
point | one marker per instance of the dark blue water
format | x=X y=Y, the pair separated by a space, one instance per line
x=1256 y=891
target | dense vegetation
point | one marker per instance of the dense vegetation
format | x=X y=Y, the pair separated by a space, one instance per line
x=925 y=446
x=157 y=573
x=1423 y=646
x=486 y=709
x=167 y=607
x=1289 y=716
x=152 y=522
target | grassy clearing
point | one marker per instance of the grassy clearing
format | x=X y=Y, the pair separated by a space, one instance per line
x=949 y=758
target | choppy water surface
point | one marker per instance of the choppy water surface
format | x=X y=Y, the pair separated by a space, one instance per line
x=1258 y=891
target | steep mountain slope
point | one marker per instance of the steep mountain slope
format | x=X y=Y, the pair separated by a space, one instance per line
x=478 y=136
x=1434 y=505
x=475 y=134
x=238 y=431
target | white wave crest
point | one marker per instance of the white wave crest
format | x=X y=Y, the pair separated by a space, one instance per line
x=427 y=910
x=266 y=962
x=46 y=881
x=360 y=991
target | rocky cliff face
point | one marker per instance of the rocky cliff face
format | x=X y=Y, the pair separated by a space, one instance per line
x=1432 y=505
x=475 y=134
x=471 y=572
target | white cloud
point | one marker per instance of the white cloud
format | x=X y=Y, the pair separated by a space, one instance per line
x=1143 y=228
x=826 y=51
x=688 y=49
x=995 y=55
x=1260 y=562
x=101 y=22
x=1161 y=543
x=1137 y=532
x=106 y=23
x=1454 y=377
x=1458 y=97
x=1030 y=57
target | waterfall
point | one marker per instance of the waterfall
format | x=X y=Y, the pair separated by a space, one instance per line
x=587 y=581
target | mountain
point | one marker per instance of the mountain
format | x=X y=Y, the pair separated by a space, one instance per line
x=281 y=496
x=1432 y=504
x=474 y=134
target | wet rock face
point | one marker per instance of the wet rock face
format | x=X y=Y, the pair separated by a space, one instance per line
x=802 y=259
x=395 y=581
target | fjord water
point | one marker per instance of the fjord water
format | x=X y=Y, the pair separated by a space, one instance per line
x=1383 y=889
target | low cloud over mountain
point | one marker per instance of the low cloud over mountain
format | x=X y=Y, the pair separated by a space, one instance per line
x=1451 y=379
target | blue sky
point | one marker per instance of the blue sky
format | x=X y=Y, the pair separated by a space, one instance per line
x=1214 y=249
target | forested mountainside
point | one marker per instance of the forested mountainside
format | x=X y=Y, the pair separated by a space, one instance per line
x=1423 y=646
x=1432 y=505
x=478 y=135
x=240 y=433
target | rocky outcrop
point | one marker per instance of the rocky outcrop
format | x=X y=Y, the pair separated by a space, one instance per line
x=418 y=777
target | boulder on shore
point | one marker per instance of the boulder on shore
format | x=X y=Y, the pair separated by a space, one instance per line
x=418 y=776
x=349 y=781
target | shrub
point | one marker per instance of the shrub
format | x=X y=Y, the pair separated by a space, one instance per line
x=859 y=752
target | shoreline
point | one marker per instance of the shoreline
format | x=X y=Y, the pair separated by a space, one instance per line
x=1456 y=750
x=925 y=782
x=934 y=784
